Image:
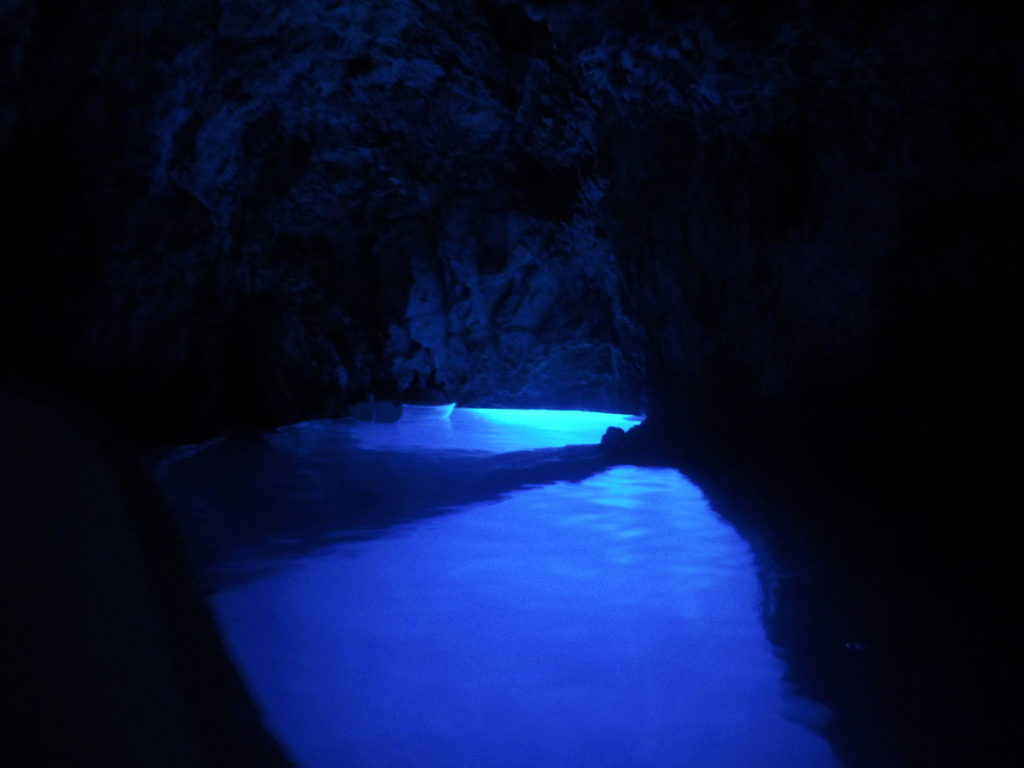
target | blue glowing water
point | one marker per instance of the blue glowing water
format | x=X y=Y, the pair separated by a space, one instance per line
x=490 y=430
x=612 y=621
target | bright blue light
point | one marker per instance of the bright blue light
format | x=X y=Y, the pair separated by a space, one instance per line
x=608 y=622
x=487 y=430
x=582 y=423
x=604 y=623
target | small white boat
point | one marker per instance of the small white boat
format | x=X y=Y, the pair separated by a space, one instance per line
x=420 y=411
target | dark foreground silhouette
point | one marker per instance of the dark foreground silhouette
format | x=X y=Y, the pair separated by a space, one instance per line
x=113 y=660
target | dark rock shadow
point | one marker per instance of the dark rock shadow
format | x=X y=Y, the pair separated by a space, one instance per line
x=890 y=604
x=112 y=655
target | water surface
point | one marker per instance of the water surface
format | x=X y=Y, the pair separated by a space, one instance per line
x=607 y=621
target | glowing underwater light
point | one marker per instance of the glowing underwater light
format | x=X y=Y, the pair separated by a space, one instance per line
x=488 y=430
x=563 y=421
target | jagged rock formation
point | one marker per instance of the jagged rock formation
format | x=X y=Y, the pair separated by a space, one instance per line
x=265 y=212
x=323 y=200
x=272 y=211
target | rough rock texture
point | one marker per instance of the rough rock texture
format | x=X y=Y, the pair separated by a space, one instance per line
x=266 y=211
x=246 y=213
x=302 y=204
x=788 y=233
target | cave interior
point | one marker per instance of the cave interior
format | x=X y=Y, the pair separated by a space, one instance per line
x=789 y=236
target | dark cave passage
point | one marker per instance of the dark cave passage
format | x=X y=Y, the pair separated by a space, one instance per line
x=786 y=236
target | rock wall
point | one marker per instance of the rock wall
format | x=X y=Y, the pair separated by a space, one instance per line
x=242 y=213
x=279 y=210
x=815 y=222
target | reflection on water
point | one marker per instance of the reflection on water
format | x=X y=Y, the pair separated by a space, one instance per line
x=607 y=622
